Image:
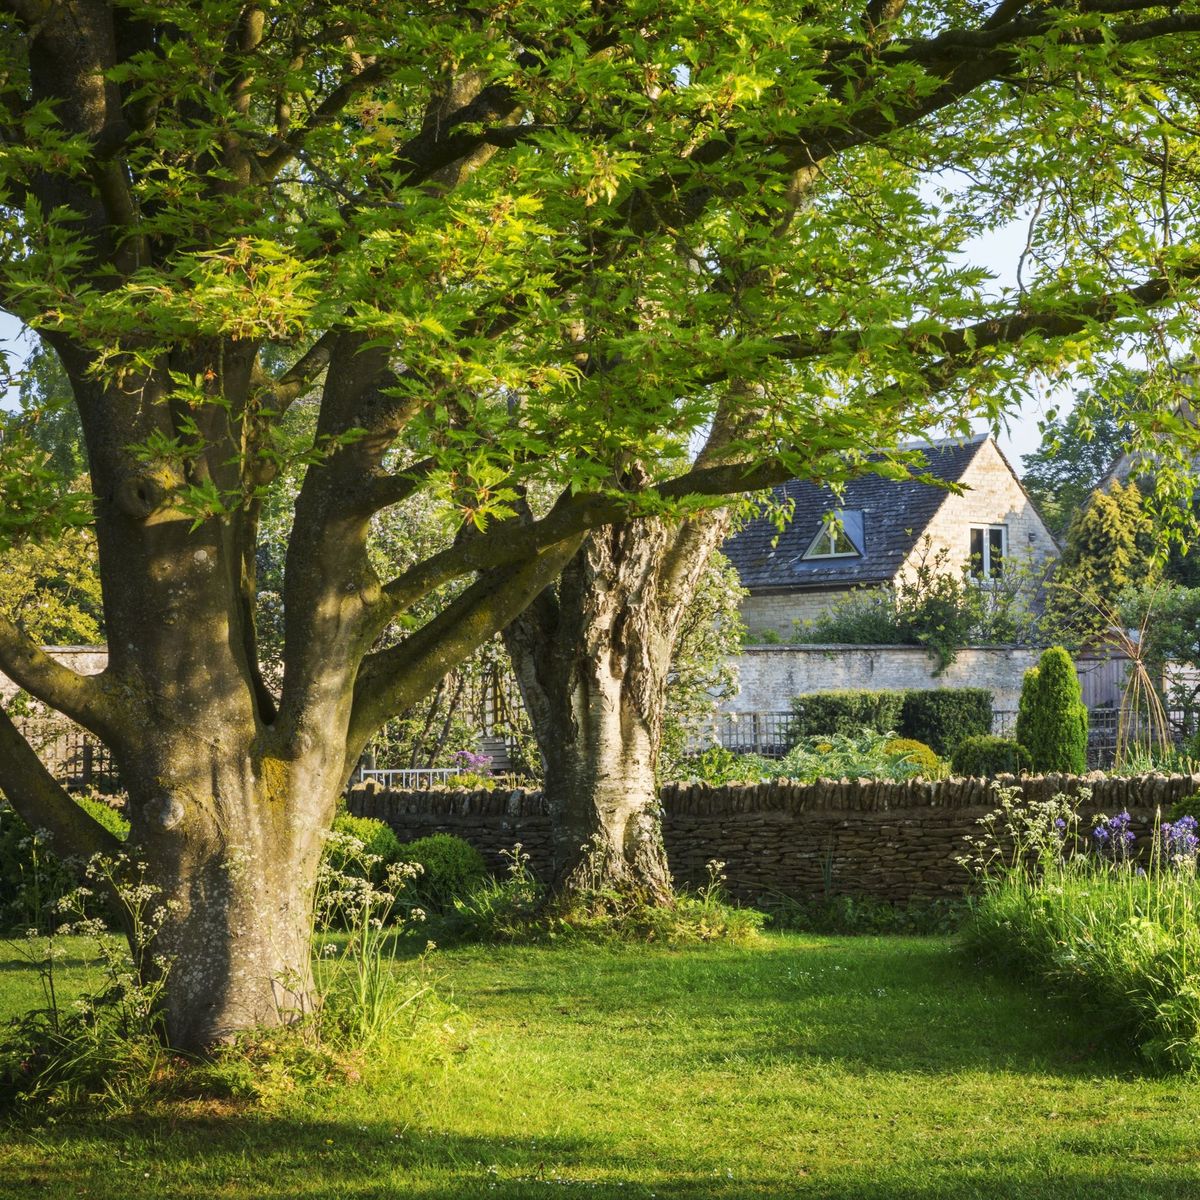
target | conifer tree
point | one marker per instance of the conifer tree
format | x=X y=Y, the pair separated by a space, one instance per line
x=1052 y=722
x=1109 y=547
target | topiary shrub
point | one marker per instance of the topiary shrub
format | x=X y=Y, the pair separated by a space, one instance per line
x=1052 y=720
x=846 y=712
x=922 y=756
x=943 y=717
x=983 y=756
x=450 y=868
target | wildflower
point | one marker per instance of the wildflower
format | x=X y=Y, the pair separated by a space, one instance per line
x=1113 y=837
x=1180 y=840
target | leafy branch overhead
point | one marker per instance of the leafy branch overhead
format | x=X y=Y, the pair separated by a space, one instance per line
x=539 y=246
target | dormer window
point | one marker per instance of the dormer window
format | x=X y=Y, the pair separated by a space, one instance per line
x=840 y=536
x=989 y=545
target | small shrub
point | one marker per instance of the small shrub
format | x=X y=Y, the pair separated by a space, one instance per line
x=499 y=910
x=450 y=869
x=983 y=756
x=920 y=755
x=601 y=915
x=32 y=879
x=377 y=841
x=862 y=617
x=846 y=712
x=843 y=756
x=470 y=781
x=1189 y=806
x=718 y=766
x=1052 y=720
x=943 y=717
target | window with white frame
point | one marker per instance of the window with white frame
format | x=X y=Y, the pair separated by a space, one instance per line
x=840 y=536
x=989 y=546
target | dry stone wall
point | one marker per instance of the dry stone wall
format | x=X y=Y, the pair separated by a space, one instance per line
x=891 y=841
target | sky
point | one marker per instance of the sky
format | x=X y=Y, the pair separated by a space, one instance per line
x=999 y=252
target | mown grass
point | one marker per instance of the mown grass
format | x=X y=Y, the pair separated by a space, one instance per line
x=800 y=1066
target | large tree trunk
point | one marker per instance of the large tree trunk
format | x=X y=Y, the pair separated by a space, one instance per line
x=592 y=657
x=230 y=839
x=227 y=806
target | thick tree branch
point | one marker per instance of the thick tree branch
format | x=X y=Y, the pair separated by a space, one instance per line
x=1004 y=12
x=43 y=803
x=274 y=161
x=391 y=679
x=510 y=542
x=1051 y=321
x=505 y=543
x=386 y=490
x=80 y=697
x=301 y=375
x=951 y=43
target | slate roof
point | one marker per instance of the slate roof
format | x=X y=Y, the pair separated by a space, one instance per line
x=895 y=514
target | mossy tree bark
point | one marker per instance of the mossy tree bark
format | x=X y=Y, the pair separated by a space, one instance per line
x=230 y=792
x=592 y=656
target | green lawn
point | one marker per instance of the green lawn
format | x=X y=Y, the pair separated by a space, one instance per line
x=822 y=1067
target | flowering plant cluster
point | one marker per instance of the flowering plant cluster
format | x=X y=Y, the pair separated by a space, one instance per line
x=469 y=760
x=1097 y=927
x=1113 y=838
x=1180 y=842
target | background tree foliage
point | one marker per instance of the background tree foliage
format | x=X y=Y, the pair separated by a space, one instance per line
x=1076 y=453
x=1110 y=546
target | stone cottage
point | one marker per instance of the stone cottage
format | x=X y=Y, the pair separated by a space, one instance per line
x=876 y=531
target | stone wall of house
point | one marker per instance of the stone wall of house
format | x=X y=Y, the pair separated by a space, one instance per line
x=891 y=841
x=771 y=675
x=993 y=497
x=87 y=660
x=768 y=614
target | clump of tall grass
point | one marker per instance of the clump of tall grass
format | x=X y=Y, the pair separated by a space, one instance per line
x=1096 y=919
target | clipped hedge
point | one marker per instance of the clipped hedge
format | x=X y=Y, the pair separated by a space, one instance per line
x=985 y=756
x=947 y=716
x=940 y=718
x=848 y=712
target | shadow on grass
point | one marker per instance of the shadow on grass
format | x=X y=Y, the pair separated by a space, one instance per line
x=672 y=1062
x=289 y=1159
x=20 y=965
